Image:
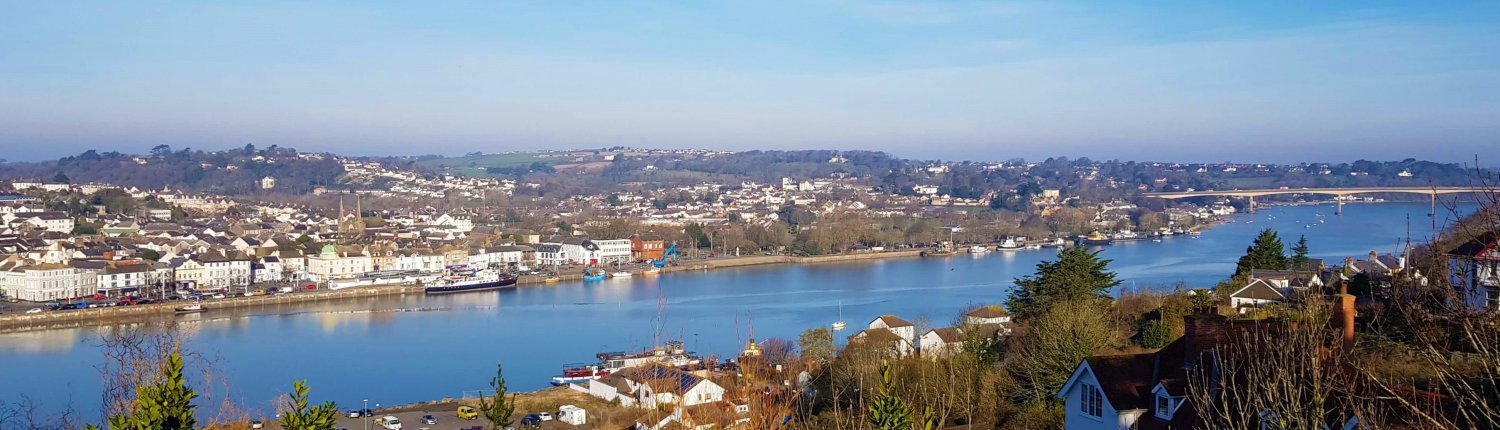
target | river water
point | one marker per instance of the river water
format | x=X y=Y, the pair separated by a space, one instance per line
x=393 y=350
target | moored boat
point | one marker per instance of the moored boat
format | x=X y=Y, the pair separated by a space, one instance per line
x=672 y=355
x=979 y=249
x=190 y=308
x=1010 y=243
x=483 y=280
x=620 y=274
x=1095 y=238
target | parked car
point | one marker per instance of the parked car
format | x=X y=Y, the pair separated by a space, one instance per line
x=429 y=419
x=284 y=289
x=467 y=413
x=255 y=424
x=34 y=311
x=389 y=422
x=356 y=413
x=531 y=421
x=218 y=295
x=545 y=416
x=310 y=287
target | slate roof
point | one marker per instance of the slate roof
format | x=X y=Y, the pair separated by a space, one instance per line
x=893 y=321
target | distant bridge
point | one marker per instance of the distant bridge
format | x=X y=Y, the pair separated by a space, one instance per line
x=1338 y=193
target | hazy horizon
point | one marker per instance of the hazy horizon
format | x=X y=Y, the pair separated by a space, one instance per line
x=1171 y=82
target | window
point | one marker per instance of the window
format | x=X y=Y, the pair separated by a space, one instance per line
x=1163 y=406
x=1093 y=401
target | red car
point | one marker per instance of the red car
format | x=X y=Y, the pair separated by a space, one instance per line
x=310 y=287
x=98 y=296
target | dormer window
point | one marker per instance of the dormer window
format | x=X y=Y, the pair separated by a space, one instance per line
x=1092 y=403
x=1163 y=406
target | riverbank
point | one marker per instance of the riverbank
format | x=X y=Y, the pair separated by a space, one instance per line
x=21 y=322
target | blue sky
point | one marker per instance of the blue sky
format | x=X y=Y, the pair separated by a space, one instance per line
x=1189 y=80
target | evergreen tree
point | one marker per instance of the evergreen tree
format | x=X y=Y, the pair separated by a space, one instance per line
x=1154 y=334
x=498 y=411
x=1299 y=254
x=163 y=404
x=1078 y=274
x=1266 y=253
x=888 y=412
x=816 y=343
x=300 y=416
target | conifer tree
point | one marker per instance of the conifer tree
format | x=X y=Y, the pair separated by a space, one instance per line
x=1266 y=253
x=498 y=412
x=1299 y=254
x=1078 y=274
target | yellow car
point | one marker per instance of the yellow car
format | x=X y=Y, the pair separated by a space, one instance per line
x=467 y=413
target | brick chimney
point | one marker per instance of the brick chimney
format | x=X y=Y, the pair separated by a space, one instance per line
x=1346 y=316
x=1202 y=333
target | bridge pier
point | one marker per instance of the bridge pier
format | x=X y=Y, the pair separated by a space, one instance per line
x=1433 y=212
x=1251 y=207
x=1340 y=199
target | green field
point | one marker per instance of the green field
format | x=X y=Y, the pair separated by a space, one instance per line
x=475 y=165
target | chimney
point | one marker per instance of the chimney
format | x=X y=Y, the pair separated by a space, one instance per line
x=1202 y=333
x=1346 y=315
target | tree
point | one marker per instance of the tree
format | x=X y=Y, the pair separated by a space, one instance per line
x=1078 y=274
x=161 y=151
x=164 y=404
x=298 y=415
x=887 y=411
x=1266 y=253
x=1058 y=339
x=1299 y=254
x=816 y=344
x=1154 y=334
x=60 y=178
x=498 y=412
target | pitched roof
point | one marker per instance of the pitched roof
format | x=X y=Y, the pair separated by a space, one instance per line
x=1126 y=379
x=948 y=334
x=991 y=311
x=893 y=321
x=1258 y=290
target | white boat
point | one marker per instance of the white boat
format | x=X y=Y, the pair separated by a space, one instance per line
x=839 y=325
x=620 y=275
x=979 y=249
x=191 y=308
x=651 y=271
x=1009 y=244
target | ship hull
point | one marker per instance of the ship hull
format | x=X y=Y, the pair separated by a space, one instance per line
x=482 y=286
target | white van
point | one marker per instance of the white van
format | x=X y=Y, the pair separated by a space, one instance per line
x=390 y=423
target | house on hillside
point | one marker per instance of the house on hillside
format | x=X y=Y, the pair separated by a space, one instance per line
x=1273 y=286
x=1474 y=270
x=1150 y=390
x=992 y=314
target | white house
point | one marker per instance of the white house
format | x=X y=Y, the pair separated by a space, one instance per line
x=900 y=327
x=1474 y=270
x=331 y=263
x=225 y=269
x=654 y=385
x=418 y=260
x=41 y=282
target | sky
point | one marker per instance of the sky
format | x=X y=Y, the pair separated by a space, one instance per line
x=1254 y=81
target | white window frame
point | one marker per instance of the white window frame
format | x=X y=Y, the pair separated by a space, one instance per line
x=1091 y=401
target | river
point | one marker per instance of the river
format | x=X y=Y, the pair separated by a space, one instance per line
x=397 y=349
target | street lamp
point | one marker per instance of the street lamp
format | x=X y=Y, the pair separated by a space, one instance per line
x=366 y=413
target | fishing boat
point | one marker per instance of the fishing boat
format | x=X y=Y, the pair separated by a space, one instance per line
x=1094 y=238
x=1010 y=243
x=651 y=271
x=190 y=309
x=979 y=249
x=479 y=280
x=672 y=355
x=590 y=275
x=620 y=274
x=551 y=279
